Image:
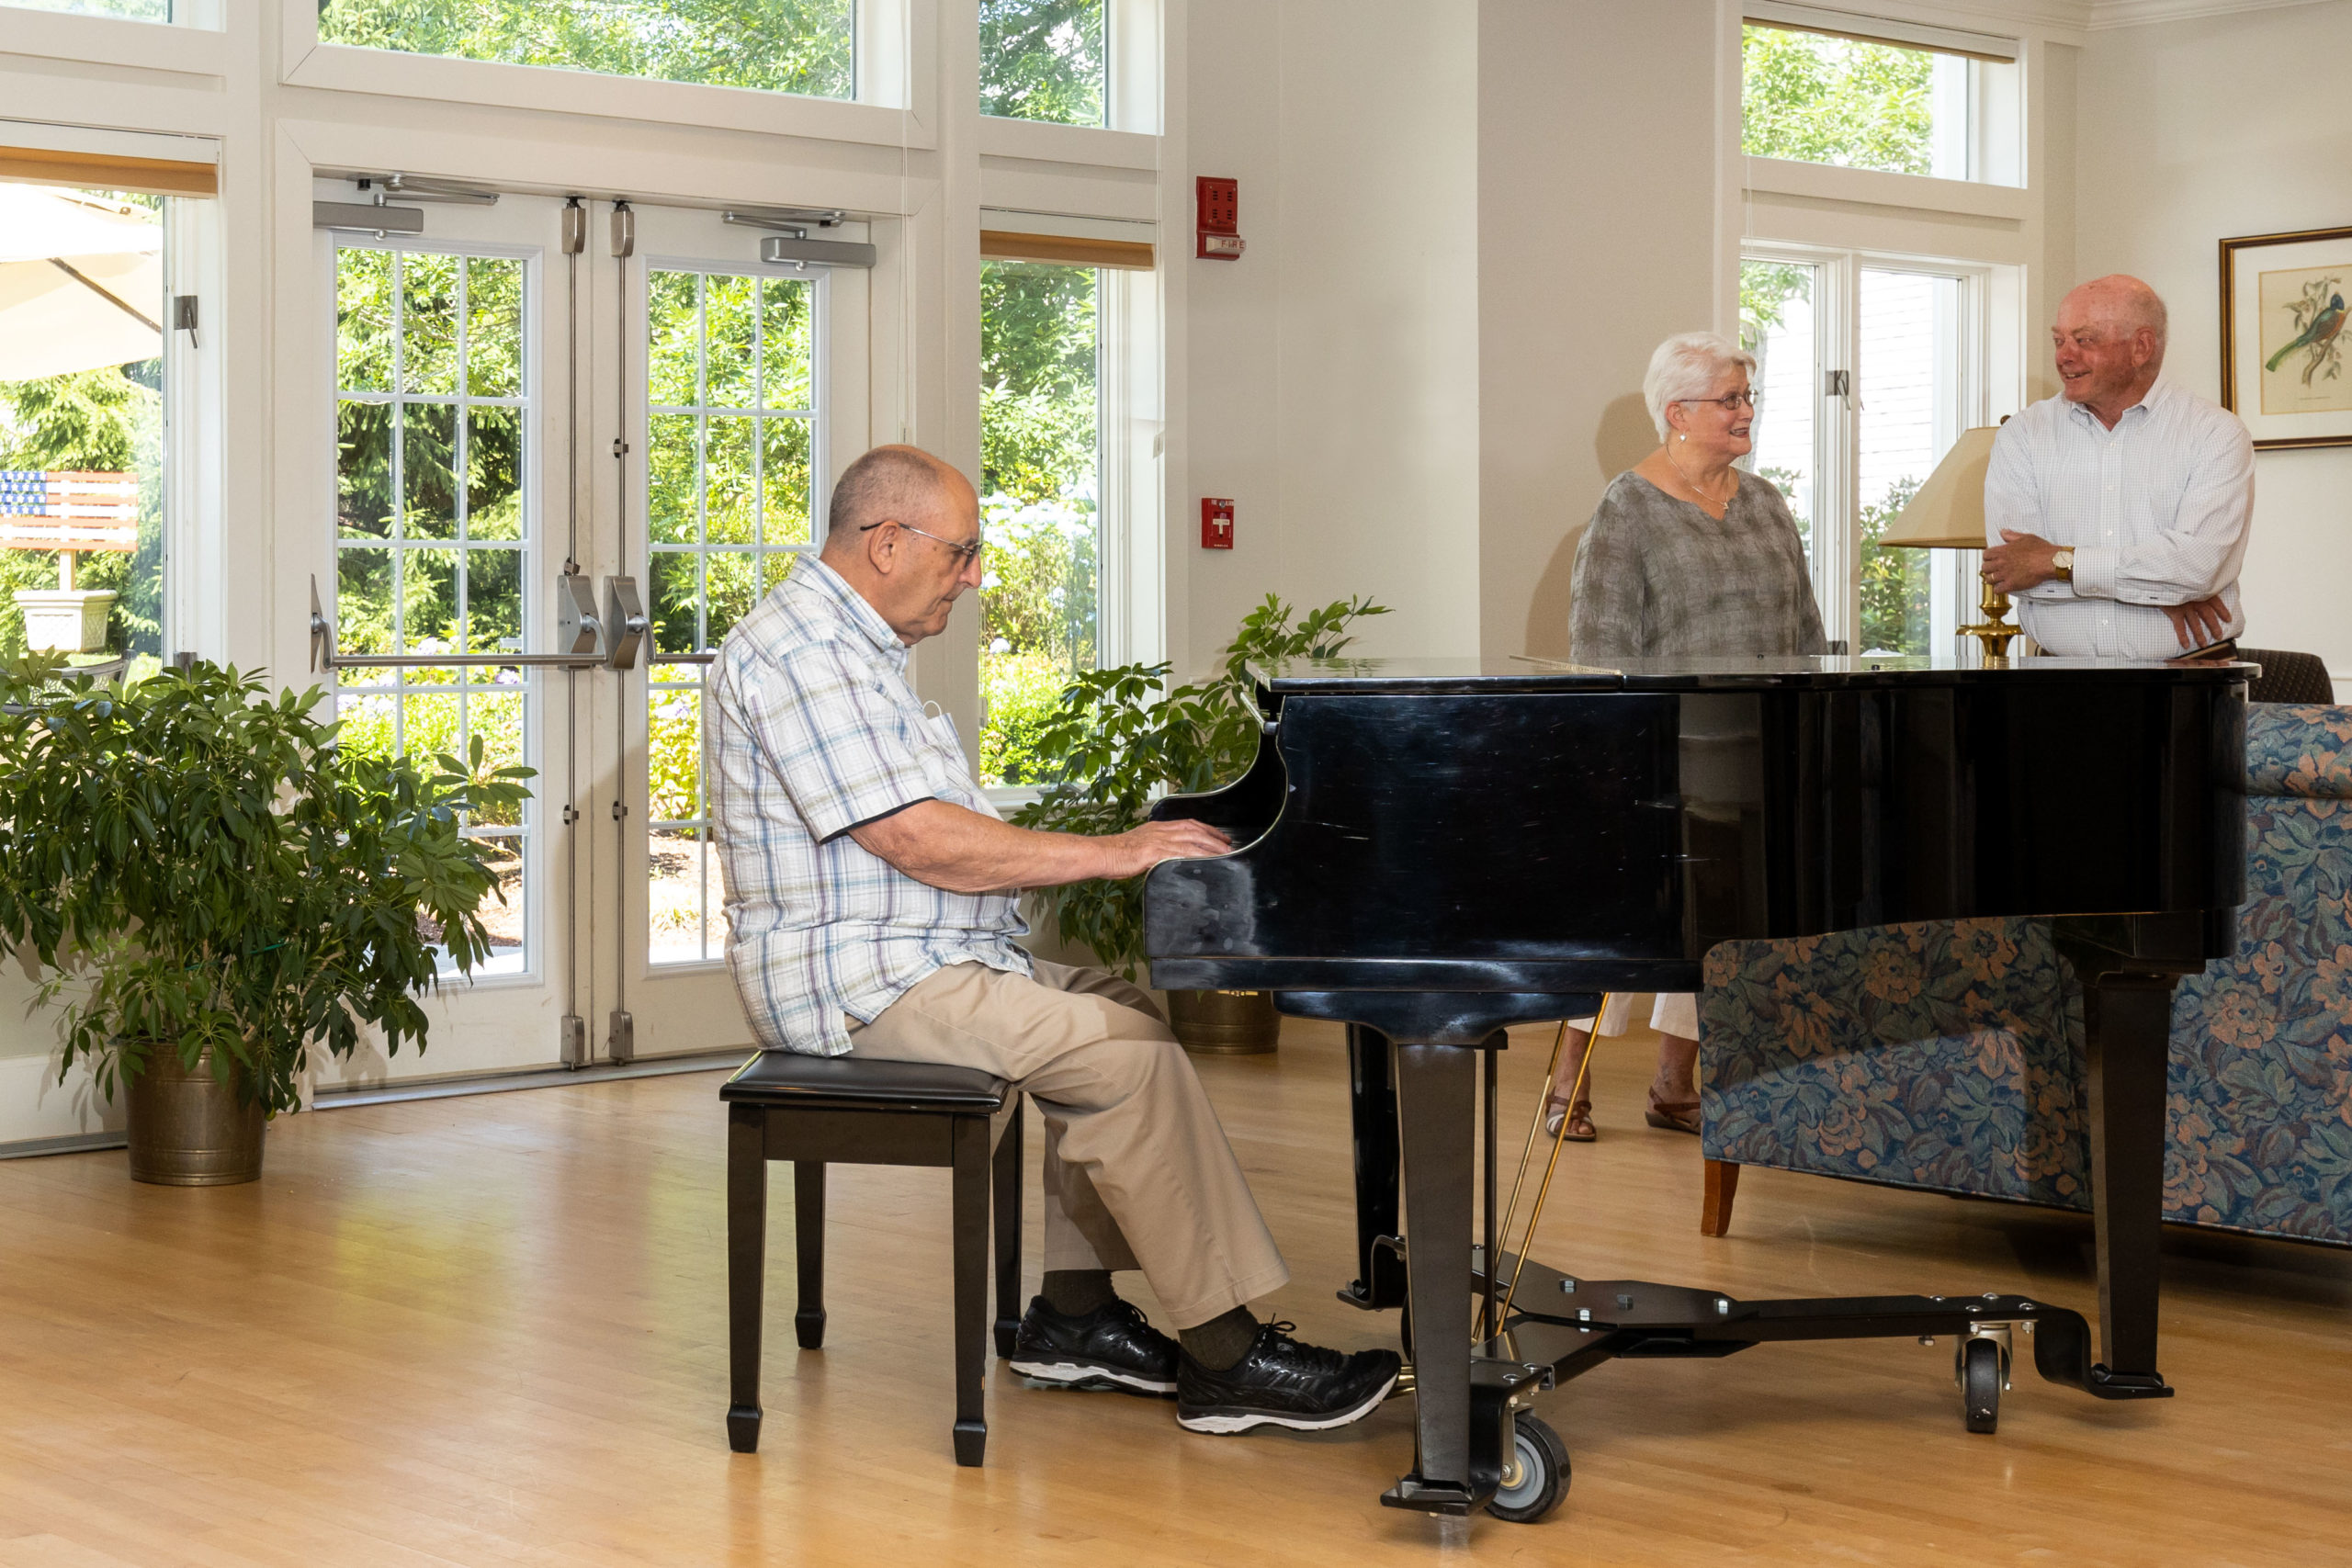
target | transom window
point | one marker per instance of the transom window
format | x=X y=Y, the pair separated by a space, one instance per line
x=1816 y=92
x=1045 y=60
x=782 y=46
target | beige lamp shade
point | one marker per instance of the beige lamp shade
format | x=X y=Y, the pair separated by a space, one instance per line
x=1948 y=512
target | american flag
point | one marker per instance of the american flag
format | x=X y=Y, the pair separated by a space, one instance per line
x=52 y=509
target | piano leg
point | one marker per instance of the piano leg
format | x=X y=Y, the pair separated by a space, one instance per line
x=2129 y=1023
x=1436 y=1094
x=1372 y=1107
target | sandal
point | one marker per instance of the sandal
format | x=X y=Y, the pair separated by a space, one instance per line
x=1674 y=1115
x=1577 y=1115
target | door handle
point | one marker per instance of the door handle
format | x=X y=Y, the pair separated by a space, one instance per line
x=625 y=623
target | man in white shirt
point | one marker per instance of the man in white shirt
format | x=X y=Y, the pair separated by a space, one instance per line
x=2116 y=512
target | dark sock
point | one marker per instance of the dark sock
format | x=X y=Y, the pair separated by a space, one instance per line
x=1222 y=1341
x=1075 y=1292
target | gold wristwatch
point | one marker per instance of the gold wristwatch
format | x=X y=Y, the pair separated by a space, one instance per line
x=2063 y=563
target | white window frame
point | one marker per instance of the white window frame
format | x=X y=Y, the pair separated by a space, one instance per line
x=1980 y=75
x=894 y=68
x=1837 y=426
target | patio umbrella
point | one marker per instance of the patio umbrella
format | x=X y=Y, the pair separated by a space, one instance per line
x=80 y=282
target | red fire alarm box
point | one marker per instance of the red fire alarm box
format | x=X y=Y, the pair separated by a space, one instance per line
x=1218 y=221
x=1216 y=523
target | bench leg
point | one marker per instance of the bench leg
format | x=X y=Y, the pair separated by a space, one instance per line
x=747 y=1235
x=1714 y=1208
x=971 y=1213
x=808 y=1240
x=1005 y=1187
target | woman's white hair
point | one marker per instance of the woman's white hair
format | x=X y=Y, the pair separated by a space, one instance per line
x=1688 y=365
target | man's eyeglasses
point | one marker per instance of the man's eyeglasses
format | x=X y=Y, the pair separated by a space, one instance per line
x=966 y=552
x=1728 y=404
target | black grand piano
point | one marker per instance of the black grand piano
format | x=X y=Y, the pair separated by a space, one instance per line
x=1429 y=851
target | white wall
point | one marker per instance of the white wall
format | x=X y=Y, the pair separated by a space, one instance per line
x=1333 y=368
x=2191 y=132
x=1599 y=233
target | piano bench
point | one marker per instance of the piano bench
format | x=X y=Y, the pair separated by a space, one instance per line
x=820 y=1111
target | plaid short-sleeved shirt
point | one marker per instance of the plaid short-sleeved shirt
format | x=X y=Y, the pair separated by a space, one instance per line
x=817 y=731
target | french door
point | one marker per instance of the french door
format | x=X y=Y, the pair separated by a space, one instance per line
x=572 y=444
x=1870 y=368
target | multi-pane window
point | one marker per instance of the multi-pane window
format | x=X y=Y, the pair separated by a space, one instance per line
x=782 y=46
x=731 y=425
x=83 y=426
x=1045 y=60
x=1040 y=500
x=433 y=420
x=1856 y=103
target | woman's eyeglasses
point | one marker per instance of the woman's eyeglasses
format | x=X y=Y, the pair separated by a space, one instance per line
x=1728 y=404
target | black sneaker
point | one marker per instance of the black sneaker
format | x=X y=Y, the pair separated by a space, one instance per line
x=1111 y=1348
x=1281 y=1383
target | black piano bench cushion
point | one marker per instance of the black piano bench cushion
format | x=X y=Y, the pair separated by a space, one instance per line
x=790 y=1078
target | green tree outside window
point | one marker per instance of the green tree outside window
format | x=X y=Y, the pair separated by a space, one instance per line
x=1044 y=60
x=779 y=46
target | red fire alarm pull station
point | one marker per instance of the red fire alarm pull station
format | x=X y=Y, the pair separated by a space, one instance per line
x=1216 y=523
x=1219 y=219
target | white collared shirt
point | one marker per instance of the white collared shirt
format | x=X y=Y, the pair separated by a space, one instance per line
x=2155 y=511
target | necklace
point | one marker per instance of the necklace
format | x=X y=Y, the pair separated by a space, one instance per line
x=1691 y=485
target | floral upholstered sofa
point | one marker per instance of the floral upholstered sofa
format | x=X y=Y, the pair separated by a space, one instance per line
x=1950 y=1055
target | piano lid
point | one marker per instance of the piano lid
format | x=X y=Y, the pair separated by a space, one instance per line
x=1525 y=672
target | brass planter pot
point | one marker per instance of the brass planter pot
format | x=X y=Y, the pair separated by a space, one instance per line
x=189 y=1129
x=1224 y=1023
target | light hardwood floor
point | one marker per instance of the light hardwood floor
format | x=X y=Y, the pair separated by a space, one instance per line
x=491 y=1330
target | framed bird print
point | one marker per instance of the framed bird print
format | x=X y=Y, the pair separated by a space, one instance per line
x=2286 y=358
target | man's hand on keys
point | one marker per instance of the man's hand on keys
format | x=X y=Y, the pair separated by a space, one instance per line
x=1140 y=849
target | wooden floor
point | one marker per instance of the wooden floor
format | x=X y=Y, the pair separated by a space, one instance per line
x=491 y=1330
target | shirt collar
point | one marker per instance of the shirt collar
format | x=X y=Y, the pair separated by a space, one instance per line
x=828 y=584
x=2160 y=391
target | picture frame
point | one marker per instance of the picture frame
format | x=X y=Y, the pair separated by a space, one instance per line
x=2286 y=357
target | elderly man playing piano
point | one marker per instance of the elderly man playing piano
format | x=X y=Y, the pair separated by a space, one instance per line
x=872 y=895
x=2117 y=512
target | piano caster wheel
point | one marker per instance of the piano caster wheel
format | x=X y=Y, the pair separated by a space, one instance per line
x=1980 y=1384
x=1536 y=1477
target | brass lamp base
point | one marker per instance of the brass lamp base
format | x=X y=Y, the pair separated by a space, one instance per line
x=1993 y=632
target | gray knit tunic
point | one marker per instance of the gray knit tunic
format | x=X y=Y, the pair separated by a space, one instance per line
x=1656 y=577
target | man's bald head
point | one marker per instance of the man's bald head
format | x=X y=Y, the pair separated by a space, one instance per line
x=2122 y=304
x=904 y=531
x=2109 y=342
x=891 y=483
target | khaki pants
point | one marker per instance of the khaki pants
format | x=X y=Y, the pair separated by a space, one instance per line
x=1139 y=1174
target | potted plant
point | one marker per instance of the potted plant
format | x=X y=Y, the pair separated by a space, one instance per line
x=1121 y=738
x=214 y=885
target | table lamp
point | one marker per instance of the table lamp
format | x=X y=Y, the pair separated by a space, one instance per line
x=1947 y=513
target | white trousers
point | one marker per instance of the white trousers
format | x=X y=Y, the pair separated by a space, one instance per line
x=1674 y=1012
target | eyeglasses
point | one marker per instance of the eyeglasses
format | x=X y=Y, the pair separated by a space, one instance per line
x=967 y=552
x=1729 y=404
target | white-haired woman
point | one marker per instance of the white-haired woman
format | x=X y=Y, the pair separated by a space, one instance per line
x=1687 y=557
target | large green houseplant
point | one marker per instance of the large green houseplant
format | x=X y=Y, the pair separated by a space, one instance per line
x=213 y=885
x=1124 y=736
